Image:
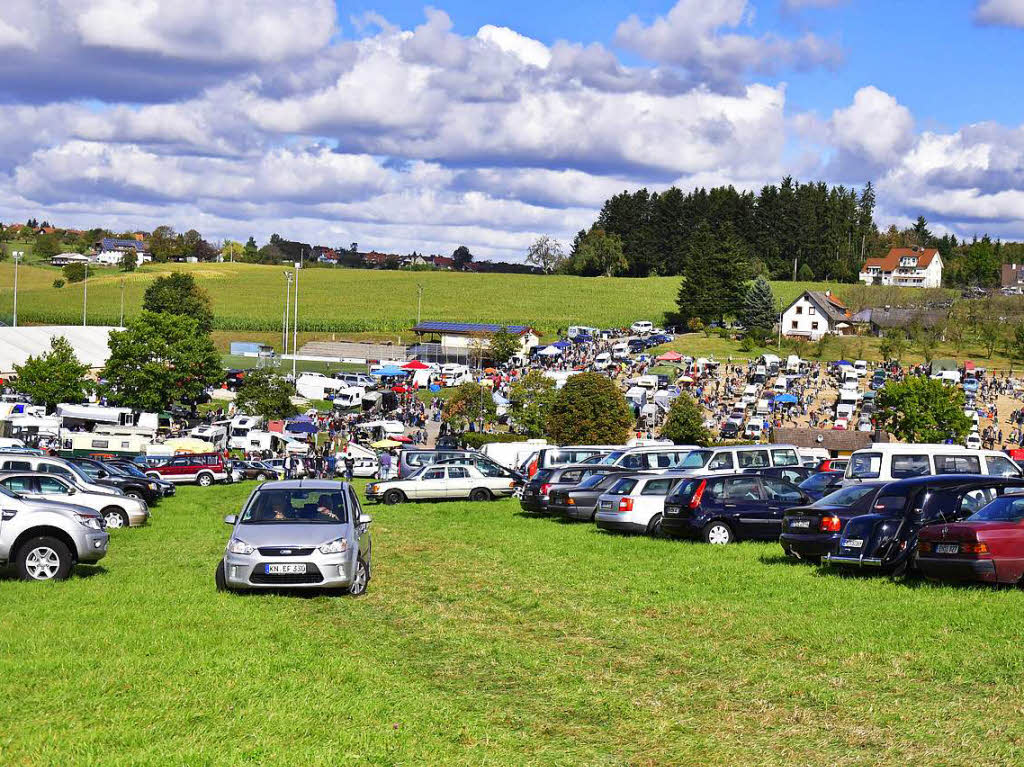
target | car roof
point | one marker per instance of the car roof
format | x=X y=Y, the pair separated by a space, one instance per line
x=302 y=484
x=957 y=480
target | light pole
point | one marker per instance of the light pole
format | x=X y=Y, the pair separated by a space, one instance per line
x=419 y=301
x=284 y=320
x=85 y=293
x=121 y=323
x=295 y=318
x=16 y=255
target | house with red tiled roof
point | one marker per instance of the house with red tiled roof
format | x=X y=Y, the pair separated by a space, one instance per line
x=814 y=314
x=904 y=267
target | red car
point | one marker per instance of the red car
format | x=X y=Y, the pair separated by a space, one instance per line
x=201 y=468
x=987 y=546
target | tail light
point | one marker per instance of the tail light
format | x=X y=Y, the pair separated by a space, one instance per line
x=924 y=548
x=512 y=484
x=545 y=488
x=531 y=469
x=831 y=524
x=625 y=504
x=570 y=501
x=698 y=494
x=974 y=548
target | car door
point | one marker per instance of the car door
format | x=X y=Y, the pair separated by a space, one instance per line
x=652 y=496
x=743 y=503
x=779 y=495
x=459 y=482
x=433 y=484
x=22 y=484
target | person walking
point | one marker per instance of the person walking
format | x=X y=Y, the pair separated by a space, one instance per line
x=385 y=465
x=350 y=467
x=331 y=461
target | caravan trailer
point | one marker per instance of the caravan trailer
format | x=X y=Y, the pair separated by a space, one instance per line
x=241 y=425
x=317 y=385
x=102 y=446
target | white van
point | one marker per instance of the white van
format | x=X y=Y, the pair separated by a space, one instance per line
x=750 y=394
x=861 y=368
x=350 y=398
x=512 y=454
x=762 y=408
x=455 y=375
x=620 y=351
x=641 y=328
x=637 y=396
x=602 y=361
x=754 y=429
x=649 y=457
x=886 y=462
x=780 y=386
x=241 y=425
x=734 y=458
x=813 y=456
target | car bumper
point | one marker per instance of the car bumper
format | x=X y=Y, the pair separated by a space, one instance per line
x=535 y=504
x=680 y=527
x=93 y=547
x=956 y=569
x=137 y=517
x=803 y=546
x=322 y=572
x=619 y=525
x=571 y=512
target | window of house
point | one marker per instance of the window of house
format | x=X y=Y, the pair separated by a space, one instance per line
x=794 y=324
x=814 y=326
x=810 y=310
x=799 y=310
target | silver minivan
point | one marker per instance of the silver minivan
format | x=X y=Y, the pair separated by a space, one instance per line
x=737 y=458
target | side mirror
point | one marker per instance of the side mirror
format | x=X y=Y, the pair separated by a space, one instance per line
x=72 y=490
x=230 y=519
x=365 y=519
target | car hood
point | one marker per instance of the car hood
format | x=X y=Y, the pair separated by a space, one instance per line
x=289 y=535
x=58 y=506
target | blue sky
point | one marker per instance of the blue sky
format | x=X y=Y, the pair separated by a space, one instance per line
x=409 y=127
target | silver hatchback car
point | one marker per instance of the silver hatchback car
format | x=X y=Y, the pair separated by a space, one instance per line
x=298 y=534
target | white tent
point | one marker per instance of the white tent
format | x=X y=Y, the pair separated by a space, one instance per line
x=550 y=351
x=18 y=344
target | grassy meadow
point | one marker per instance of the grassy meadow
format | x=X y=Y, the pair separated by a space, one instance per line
x=490 y=638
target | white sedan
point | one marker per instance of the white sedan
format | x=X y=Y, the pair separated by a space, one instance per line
x=116 y=510
x=441 y=482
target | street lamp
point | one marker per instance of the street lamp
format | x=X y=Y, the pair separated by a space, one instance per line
x=284 y=320
x=295 y=318
x=16 y=255
x=85 y=293
x=121 y=323
x=419 y=301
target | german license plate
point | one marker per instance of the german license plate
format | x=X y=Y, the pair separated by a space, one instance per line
x=800 y=523
x=299 y=569
x=671 y=509
x=853 y=543
x=946 y=548
x=606 y=504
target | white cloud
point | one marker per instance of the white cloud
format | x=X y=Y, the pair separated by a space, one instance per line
x=1008 y=13
x=527 y=49
x=875 y=128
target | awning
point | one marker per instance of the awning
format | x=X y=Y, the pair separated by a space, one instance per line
x=415 y=365
x=670 y=357
x=390 y=370
x=550 y=351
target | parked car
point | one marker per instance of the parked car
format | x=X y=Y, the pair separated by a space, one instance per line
x=888 y=461
x=551 y=456
x=833 y=464
x=988 y=546
x=729 y=430
x=728 y=460
x=792 y=474
x=723 y=509
x=255 y=470
x=810 y=532
x=59 y=467
x=821 y=483
x=298 y=534
x=201 y=468
x=886 y=538
x=44 y=540
x=441 y=483
x=132 y=469
x=536 y=495
x=580 y=502
x=116 y=510
x=142 y=487
x=634 y=504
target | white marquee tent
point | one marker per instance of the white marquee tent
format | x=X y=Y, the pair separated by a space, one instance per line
x=18 y=344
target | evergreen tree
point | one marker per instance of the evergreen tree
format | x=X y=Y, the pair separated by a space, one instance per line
x=759 y=310
x=250 y=251
x=714 y=281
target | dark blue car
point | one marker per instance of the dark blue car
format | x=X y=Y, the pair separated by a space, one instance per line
x=821 y=484
x=725 y=508
x=811 y=532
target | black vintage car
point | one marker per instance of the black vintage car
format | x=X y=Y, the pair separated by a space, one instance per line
x=811 y=532
x=142 y=488
x=885 y=539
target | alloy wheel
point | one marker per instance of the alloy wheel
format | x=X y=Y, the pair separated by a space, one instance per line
x=42 y=563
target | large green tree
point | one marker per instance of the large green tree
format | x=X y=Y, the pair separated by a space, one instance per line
x=178 y=293
x=684 y=424
x=759 y=311
x=158 y=359
x=589 y=409
x=922 y=409
x=469 y=403
x=530 y=400
x=714 y=277
x=504 y=344
x=598 y=254
x=53 y=377
x=266 y=394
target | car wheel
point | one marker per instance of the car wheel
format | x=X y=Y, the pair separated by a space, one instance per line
x=219 y=578
x=480 y=494
x=44 y=559
x=654 y=528
x=135 y=494
x=718 y=533
x=360 y=579
x=204 y=480
x=115 y=518
x=269 y=477
x=391 y=497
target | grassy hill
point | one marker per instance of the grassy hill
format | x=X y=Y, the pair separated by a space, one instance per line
x=250 y=297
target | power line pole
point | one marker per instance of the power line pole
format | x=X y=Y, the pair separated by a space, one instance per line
x=284 y=314
x=121 y=323
x=16 y=254
x=419 y=301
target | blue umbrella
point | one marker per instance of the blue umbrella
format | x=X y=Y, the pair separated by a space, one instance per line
x=301 y=427
x=435 y=388
x=786 y=399
x=561 y=344
x=842 y=362
x=390 y=370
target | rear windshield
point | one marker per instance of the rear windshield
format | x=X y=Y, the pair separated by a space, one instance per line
x=622 y=487
x=542 y=475
x=687 y=488
x=1006 y=509
x=846 y=496
x=592 y=481
x=890 y=504
x=612 y=457
x=696 y=460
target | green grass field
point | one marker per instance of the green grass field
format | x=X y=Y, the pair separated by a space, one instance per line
x=249 y=297
x=491 y=638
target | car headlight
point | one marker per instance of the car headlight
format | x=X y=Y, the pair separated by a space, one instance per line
x=238 y=546
x=337 y=546
x=371 y=489
x=151 y=485
x=93 y=523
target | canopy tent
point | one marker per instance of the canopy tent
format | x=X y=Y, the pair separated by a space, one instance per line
x=670 y=357
x=301 y=419
x=498 y=399
x=684 y=379
x=401 y=438
x=189 y=445
x=786 y=399
x=561 y=344
x=301 y=427
x=384 y=444
x=399 y=389
x=550 y=351
x=389 y=370
x=415 y=365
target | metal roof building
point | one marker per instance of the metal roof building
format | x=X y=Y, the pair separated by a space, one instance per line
x=18 y=344
x=468 y=328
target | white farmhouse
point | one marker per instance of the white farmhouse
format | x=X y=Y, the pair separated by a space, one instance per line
x=905 y=267
x=814 y=314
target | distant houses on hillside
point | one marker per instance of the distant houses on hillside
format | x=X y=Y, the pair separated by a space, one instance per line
x=905 y=268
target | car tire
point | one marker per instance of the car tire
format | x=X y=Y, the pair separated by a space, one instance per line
x=135 y=494
x=269 y=477
x=480 y=494
x=43 y=559
x=718 y=533
x=115 y=518
x=360 y=579
x=391 y=497
x=204 y=480
x=654 y=528
x=220 y=578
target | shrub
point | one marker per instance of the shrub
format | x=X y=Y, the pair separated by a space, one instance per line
x=58 y=283
x=74 y=272
x=590 y=409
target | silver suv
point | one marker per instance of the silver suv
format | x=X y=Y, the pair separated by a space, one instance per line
x=43 y=540
x=298 y=534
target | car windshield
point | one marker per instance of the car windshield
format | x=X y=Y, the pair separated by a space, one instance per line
x=845 y=497
x=125 y=469
x=1009 y=508
x=612 y=457
x=592 y=481
x=696 y=460
x=296 y=506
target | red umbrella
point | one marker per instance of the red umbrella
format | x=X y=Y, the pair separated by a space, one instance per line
x=400 y=439
x=399 y=389
x=415 y=365
x=670 y=357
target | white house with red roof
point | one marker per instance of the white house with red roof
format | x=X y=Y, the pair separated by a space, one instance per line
x=905 y=267
x=815 y=313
